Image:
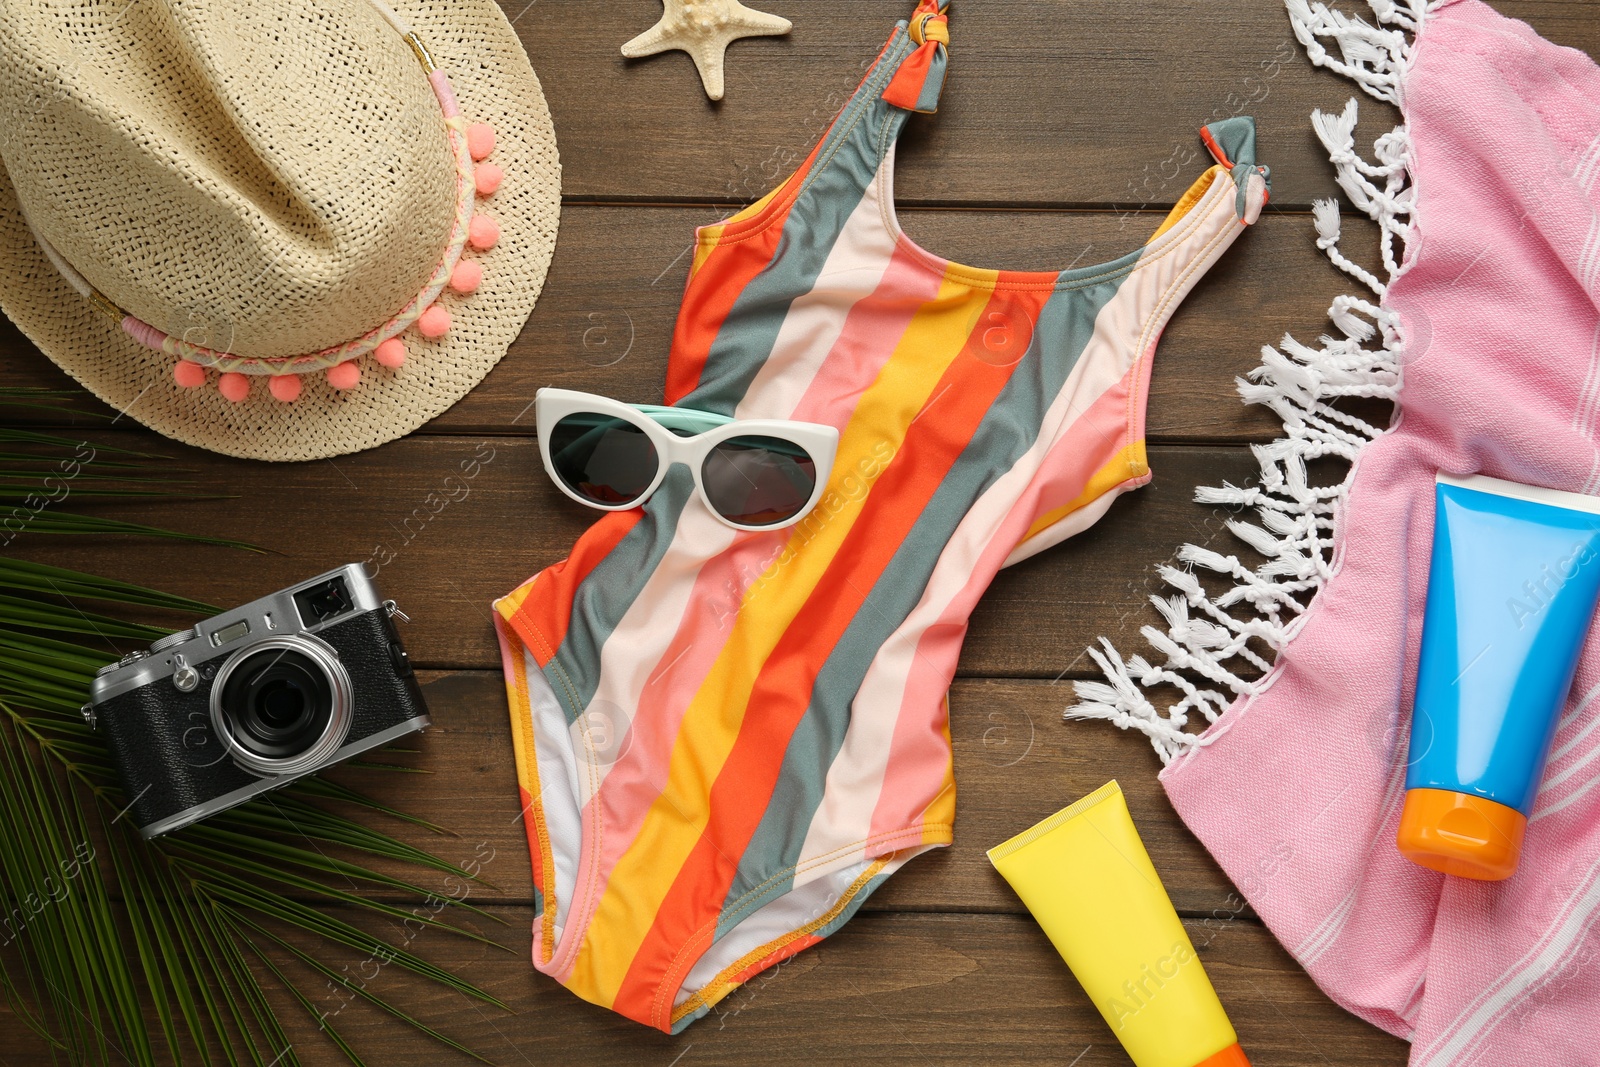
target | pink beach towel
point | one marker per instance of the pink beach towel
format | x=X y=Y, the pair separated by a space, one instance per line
x=1489 y=328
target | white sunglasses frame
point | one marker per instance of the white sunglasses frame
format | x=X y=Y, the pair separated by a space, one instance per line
x=820 y=442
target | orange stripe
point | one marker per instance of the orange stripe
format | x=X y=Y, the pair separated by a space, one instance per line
x=1216 y=150
x=708 y=237
x=716 y=285
x=935 y=438
x=540 y=608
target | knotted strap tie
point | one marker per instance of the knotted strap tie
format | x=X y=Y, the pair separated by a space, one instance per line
x=916 y=84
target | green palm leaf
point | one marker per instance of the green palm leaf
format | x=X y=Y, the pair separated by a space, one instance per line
x=66 y=522
x=118 y=950
x=47 y=470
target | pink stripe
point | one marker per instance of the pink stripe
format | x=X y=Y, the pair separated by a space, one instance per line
x=919 y=753
x=812 y=324
x=447 y=96
x=1061 y=480
x=872 y=330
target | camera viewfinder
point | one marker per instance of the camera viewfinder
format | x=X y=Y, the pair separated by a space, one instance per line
x=323 y=601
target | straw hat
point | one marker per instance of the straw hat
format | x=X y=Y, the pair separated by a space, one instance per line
x=256 y=225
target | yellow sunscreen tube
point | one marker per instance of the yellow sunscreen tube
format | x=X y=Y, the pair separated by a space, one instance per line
x=1085 y=876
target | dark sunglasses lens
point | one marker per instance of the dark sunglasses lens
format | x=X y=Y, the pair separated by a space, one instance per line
x=602 y=458
x=758 y=481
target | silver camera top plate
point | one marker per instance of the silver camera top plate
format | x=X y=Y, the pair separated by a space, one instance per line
x=274 y=615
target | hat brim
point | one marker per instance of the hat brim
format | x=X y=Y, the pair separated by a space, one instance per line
x=495 y=83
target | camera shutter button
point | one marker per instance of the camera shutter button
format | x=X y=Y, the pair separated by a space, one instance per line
x=184 y=677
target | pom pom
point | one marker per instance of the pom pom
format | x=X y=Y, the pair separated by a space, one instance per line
x=480 y=140
x=466 y=277
x=392 y=353
x=487 y=177
x=285 y=387
x=434 y=322
x=345 y=375
x=483 y=233
x=234 y=386
x=188 y=373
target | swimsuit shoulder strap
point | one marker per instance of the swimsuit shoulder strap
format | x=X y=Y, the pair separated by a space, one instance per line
x=906 y=77
x=749 y=266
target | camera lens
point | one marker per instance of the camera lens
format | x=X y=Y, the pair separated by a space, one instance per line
x=283 y=706
x=277 y=703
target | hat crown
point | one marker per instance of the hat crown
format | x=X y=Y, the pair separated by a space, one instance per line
x=267 y=178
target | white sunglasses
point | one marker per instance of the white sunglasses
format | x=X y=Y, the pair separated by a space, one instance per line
x=754 y=474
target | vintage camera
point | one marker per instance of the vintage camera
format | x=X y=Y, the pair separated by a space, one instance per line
x=254 y=698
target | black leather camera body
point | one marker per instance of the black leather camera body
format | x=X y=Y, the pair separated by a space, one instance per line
x=254 y=698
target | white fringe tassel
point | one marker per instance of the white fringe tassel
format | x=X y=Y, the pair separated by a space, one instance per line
x=1217 y=647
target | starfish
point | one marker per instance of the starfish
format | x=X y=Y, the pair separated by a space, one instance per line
x=704 y=29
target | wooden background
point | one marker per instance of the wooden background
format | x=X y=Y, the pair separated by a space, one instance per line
x=1066 y=133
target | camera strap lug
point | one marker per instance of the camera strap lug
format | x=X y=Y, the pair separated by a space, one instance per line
x=394 y=611
x=87 y=711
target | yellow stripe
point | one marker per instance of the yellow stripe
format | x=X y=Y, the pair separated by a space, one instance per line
x=1187 y=200
x=512 y=602
x=706 y=243
x=711 y=724
x=753 y=209
x=1129 y=462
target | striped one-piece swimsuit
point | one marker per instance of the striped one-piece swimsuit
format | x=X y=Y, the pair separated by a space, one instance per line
x=726 y=740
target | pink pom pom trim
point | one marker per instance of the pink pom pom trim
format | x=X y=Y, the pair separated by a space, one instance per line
x=480 y=140
x=435 y=323
x=234 y=386
x=188 y=374
x=285 y=387
x=487 y=177
x=467 y=276
x=483 y=233
x=392 y=353
x=345 y=375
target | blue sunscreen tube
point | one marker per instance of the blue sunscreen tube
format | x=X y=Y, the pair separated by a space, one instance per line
x=1511 y=590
